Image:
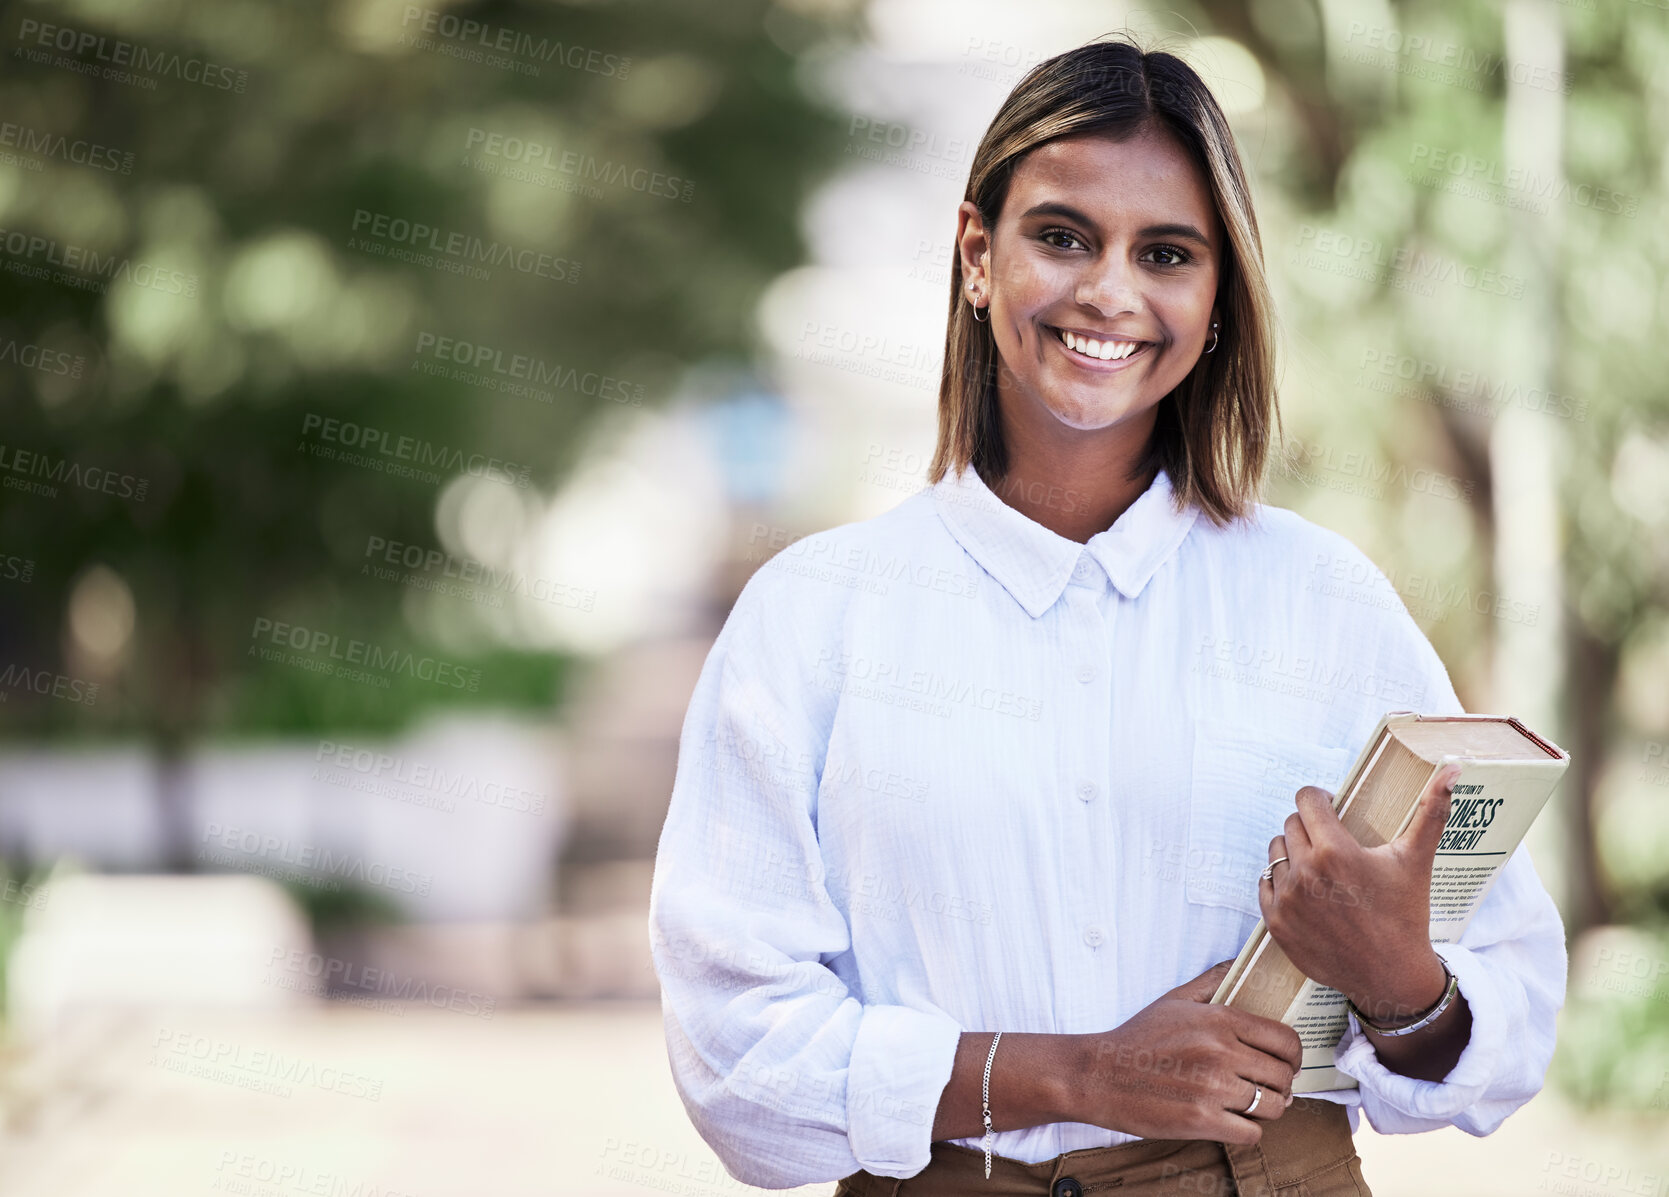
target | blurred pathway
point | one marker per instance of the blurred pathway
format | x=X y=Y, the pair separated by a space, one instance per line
x=345 y=1102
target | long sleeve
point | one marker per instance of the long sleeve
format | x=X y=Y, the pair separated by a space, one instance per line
x=1510 y=965
x=785 y=1072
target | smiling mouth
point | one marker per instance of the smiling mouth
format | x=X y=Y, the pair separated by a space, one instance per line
x=1090 y=350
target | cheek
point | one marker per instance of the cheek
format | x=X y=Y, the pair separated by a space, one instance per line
x=1026 y=283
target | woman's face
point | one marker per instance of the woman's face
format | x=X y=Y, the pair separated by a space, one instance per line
x=1113 y=241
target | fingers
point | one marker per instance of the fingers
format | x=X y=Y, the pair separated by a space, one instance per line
x=1425 y=830
x=1294 y=835
x=1319 y=821
x=1272 y=1038
x=1278 y=851
x=1273 y=1076
x=1269 y=877
x=1259 y=1102
x=1203 y=986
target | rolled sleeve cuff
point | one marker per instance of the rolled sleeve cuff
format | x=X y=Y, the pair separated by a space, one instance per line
x=901 y=1062
x=1386 y=1092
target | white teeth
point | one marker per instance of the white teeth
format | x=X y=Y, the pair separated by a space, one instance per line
x=1104 y=350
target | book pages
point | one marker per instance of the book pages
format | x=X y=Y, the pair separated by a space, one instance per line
x=1494 y=802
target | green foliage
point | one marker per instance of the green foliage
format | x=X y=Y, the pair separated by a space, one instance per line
x=20 y=892
x=1613 y=1048
x=637 y=243
x=340 y=907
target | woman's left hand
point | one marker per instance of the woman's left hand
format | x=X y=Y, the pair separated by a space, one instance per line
x=1355 y=918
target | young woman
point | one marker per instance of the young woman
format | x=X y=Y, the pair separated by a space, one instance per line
x=972 y=795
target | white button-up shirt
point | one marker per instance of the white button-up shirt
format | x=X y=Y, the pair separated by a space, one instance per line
x=945 y=770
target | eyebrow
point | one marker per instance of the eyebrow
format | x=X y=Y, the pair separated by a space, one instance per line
x=1184 y=232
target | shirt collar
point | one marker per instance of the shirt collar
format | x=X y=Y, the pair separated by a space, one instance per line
x=1035 y=564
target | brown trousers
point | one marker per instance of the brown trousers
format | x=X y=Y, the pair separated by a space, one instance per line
x=1306 y=1152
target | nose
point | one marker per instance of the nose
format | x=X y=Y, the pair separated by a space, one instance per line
x=1111 y=284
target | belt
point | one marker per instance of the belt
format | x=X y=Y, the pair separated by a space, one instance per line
x=1307 y=1151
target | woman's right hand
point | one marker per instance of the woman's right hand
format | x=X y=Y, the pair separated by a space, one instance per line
x=1182 y=1068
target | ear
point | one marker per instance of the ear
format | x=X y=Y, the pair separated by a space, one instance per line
x=973 y=243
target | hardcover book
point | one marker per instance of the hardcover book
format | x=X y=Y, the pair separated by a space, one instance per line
x=1507 y=774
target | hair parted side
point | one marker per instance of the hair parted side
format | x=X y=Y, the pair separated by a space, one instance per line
x=1212 y=433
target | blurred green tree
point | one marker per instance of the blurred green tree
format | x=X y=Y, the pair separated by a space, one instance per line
x=228 y=226
x=1391 y=130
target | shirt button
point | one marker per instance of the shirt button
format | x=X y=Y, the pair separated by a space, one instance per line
x=1083 y=569
x=1086 y=674
x=1092 y=936
x=1087 y=791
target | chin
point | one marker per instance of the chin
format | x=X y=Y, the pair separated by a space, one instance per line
x=1092 y=419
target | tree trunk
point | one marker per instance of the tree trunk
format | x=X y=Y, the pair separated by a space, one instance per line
x=1593 y=664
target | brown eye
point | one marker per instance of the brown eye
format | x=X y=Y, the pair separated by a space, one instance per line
x=1048 y=233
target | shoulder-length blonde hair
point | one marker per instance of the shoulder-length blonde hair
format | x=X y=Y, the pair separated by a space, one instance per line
x=1212 y=432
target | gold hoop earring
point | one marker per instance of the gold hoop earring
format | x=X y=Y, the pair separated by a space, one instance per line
x=1213 y=348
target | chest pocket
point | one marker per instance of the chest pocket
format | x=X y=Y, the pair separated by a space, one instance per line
x=1244 y=786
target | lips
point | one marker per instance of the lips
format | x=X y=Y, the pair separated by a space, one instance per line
x=1104 y=352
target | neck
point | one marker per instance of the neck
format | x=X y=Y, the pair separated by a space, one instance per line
x=1075 y=488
